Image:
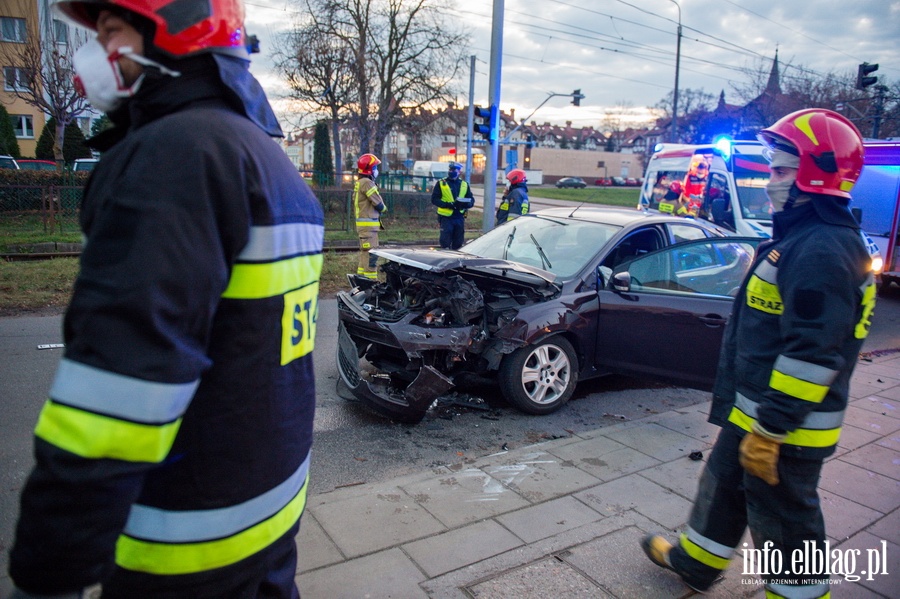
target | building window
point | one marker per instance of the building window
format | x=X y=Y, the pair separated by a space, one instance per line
x=12 y=30
x=23 y=125
x=60 y=32
x=15 y=79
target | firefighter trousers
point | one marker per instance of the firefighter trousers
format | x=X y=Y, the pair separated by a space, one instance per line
x=368 y=240
x=783 y=520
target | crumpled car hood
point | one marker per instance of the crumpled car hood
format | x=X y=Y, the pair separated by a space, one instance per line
x=442 y=261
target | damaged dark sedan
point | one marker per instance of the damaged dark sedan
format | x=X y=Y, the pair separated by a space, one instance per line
x=540 y=303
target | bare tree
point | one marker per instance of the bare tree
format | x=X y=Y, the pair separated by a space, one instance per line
x=45 y=75
x=614 y=124
x=402 y=55
x=318 y=69
x=417 y=56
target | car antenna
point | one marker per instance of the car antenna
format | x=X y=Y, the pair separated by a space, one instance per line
x=576 y=209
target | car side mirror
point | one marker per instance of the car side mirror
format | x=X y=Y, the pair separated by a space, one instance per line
x=621 y=281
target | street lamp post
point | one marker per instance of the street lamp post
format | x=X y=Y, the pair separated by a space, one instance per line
x=677 y=68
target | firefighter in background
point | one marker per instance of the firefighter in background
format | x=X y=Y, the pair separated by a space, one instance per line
x=453 y=197
x=515 y=201
x=788 y=353
x=693 y=187
x=369 y=206
x=172 y=454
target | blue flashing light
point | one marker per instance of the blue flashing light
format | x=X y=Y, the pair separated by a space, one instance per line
x=658 y=147
x=722 y=143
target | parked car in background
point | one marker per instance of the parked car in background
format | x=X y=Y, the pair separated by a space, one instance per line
x=618 y=181
x=37 y=165
x=8 y=162
x=540 y=303
x=632 y=182
x=575 y=182
x=84 y=164
x=603 y=182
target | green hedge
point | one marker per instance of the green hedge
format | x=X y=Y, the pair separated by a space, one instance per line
x=42 y=178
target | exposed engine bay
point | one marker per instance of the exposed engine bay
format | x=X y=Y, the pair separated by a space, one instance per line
x=403 y=342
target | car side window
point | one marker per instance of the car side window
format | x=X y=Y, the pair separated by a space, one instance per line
x=711 y=267
x=639 y=242
x=685 y=232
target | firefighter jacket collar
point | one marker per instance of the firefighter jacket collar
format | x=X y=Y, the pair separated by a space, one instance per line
x=831 y=210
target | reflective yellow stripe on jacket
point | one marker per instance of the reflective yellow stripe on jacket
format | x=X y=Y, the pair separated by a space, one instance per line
x=818 y=429
x=98 y=414
x=364 y=221
x=166 y=542
x=283 y=260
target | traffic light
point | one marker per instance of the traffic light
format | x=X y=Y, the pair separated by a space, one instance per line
x=252 y=44
x=576 y=97
x=863 y=79
x=529 y=141
x=486 y=125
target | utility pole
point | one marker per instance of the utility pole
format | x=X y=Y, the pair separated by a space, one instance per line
x=493 y=147
x=880 y=93
x=677 y=69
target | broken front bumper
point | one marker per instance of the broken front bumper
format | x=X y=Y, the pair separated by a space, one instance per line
x=380 y=391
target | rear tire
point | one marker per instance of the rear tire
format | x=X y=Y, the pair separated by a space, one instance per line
x=540 y=379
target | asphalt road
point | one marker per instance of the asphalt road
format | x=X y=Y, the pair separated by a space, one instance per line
x=352 y=445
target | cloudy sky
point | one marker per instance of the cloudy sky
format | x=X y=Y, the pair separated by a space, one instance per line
x=623 y=51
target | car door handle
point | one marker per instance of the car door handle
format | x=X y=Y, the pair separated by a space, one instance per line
x=713 y=320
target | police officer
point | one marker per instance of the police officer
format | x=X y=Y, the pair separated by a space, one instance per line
x=369 y=206
x=514 y=202
x=789 y=350
x=172 y=455
x=453 y=197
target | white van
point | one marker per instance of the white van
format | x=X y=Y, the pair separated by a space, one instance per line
x=430 y=169
x=735 y=192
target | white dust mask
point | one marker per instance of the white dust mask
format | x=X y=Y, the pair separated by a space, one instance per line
x=99 y=78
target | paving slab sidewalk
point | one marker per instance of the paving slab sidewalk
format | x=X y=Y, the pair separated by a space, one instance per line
x=564 y=518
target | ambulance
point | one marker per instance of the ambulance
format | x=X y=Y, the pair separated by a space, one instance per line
x=734 y=191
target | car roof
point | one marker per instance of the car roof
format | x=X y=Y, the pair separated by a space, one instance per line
x=621 y=217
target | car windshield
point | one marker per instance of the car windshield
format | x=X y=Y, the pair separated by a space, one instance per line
x=558 y=245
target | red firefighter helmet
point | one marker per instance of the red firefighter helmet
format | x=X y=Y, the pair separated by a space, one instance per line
x=183 y=27
x=675 y=186
x=516 y=175
x=366 y=163
x=830 y=149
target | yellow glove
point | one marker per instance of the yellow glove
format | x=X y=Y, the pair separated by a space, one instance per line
x=758 y=454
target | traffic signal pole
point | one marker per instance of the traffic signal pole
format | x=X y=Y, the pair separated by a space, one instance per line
x=490 y=168
x=470 y=119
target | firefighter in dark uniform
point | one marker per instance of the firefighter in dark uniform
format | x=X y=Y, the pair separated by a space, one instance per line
x=453 y=197
x=793 y=339
x=172 y=455
x=514 y=202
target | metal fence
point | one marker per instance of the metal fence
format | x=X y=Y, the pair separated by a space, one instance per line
x=413 y=208
x=55 y=208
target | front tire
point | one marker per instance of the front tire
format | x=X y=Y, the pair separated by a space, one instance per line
x=540 y=379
